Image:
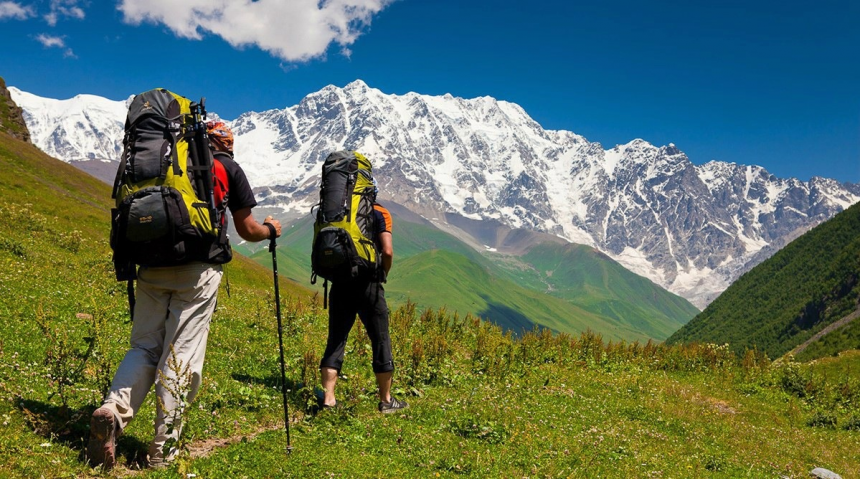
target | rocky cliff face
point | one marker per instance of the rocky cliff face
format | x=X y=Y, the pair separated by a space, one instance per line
x=12 y=116
x=692 y=229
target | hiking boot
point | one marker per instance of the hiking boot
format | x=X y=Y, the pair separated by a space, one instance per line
x=101 y=449
x=157 y=463
x=392 y=406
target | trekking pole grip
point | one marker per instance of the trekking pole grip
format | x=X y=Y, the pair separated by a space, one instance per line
x=273 y=234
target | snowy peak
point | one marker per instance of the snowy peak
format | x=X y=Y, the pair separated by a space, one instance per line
x=356 y=87
x=649 y=161
x=691 y=229
x=86 y=127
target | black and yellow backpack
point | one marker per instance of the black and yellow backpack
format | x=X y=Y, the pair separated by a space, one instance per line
x=165 y=189
x=343 y=246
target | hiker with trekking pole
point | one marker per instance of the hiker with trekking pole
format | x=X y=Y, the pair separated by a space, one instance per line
x=352 y=249
x=176 y=181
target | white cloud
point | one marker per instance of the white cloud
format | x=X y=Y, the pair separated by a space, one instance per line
x=292 y=30
x=50 y=41
x=15 y=10
x=64 y=8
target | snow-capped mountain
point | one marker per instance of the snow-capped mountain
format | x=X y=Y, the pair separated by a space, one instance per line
x=692 y=229
x=83 y=128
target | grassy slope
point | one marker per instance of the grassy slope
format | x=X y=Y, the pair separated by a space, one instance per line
x=293 y=252
x=586 y=290
x=450 y=280
x=411 y=239
x=588 y=278
x=845 y=338
x=58 y=295
x=809 y=284
x=545 y=406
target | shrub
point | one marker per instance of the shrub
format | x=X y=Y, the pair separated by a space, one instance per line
x=852 y=424
x=66 y=357
x=13 y=247
x=794 y=380
x=822 y=419
x=70 y=241
x=479 y=428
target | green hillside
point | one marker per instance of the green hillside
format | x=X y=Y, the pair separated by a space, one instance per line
x=811 y=283
x=450 y=280
x=294 y=251
x=482 y=404
x=583 y=276
x=567 y=288
x=410 y=239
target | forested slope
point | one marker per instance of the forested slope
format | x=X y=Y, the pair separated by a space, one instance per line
x=808 y=285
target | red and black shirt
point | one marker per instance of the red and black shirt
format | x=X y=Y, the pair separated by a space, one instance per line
x=236 y=192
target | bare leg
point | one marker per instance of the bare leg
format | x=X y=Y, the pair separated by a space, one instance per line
x=329 y=379
x=383 y=381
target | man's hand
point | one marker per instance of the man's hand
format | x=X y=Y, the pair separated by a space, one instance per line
x=250 y=230
x=275 y=223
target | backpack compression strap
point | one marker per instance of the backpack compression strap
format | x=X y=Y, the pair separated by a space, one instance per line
x=131 y=301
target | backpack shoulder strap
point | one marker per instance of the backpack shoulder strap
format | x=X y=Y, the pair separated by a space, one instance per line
x=221 y=190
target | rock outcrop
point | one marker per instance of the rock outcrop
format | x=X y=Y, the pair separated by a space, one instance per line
x=12 y=116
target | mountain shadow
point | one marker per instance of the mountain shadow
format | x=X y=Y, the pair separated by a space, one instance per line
x=506 y=317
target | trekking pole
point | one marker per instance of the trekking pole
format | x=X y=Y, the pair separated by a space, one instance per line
x=272 y=246
x=201 y=159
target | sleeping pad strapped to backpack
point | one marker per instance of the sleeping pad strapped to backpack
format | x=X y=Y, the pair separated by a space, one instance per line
x=166 y=188
x=343 y=246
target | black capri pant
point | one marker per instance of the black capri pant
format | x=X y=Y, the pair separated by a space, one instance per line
x=367 y=300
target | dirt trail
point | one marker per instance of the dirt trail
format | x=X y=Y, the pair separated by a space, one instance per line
x=827 y=330
x=203 y=448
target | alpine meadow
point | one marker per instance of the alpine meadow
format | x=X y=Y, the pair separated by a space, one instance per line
x=588 y=390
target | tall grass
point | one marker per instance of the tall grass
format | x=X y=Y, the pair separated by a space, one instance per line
x=483 y=403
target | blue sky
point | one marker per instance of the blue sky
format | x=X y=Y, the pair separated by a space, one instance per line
x=768 y=83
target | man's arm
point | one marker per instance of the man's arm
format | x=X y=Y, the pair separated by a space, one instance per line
x=250 y=230
x=387 y=252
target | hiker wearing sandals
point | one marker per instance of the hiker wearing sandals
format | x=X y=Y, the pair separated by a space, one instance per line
x=366 y=298
x=170 y=326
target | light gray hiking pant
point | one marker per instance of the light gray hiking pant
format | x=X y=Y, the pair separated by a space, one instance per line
x=174 y=306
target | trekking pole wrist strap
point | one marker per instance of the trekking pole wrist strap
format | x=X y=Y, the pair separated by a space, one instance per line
x=273 y=233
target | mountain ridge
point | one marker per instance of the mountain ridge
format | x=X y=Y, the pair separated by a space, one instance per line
x=693 y=229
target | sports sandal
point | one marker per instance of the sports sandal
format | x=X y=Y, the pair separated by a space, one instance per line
x=392 y=406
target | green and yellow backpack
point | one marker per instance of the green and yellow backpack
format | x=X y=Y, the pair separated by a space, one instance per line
x=343 y=246
x=166 y=188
